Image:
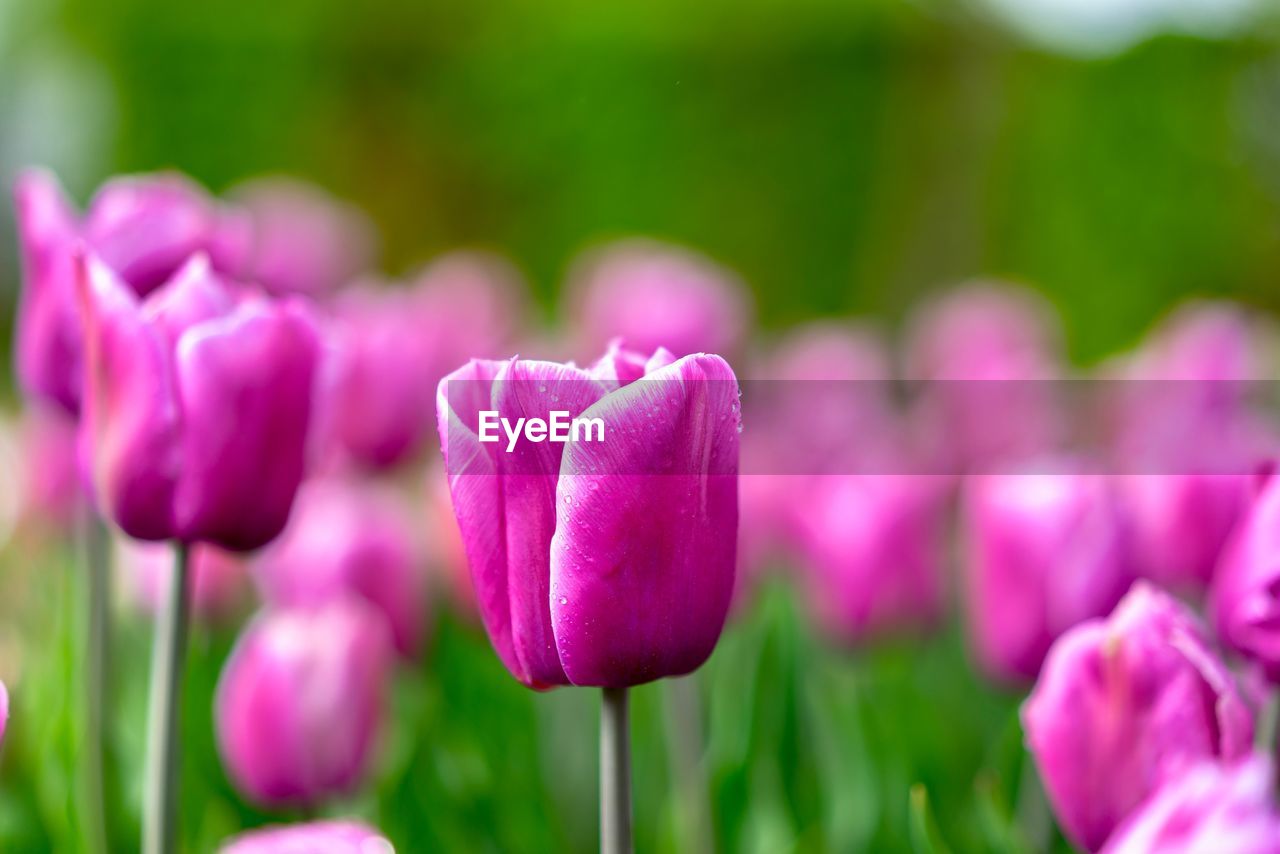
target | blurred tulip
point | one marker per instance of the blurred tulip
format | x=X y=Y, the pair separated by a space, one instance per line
x=197 y=406
x=987 y=354
x=1124 y=705
x=1245 y=598
x=1212 y=808
x=871 y=552
x=448 y=556
x=608 y=562
x=350 y=538
x=304 y=241
x=4 y=710
x=317 y=837
x=392 y=346
x=300 y=700
x=1046 y=551
x=652 y=295
x=141 y=227
x=219 y=580
x=51 y=490
x=1184 y=424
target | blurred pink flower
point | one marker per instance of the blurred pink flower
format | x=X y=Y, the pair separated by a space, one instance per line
x=652 y=295
x=143 y=228
x=986 y=354
x=316 y=837
x=1245 y=598
x=1183 y=424
x=302 y=240
x=350 y=537
x=1126 y=704
x=219 y=579
x=51 y=480
x=391 y=346
x=1046 y=551
x=871 y=552
x=1211 y=808
x=300 y=701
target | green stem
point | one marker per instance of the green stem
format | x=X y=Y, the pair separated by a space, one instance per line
x=615 y=773
x=169 y=652
x=1265 y=736
x=98 y=664
x=685 y=749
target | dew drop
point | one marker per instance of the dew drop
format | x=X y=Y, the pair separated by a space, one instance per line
x=564 y=600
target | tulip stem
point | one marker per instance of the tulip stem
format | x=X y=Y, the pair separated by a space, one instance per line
x=169 y=652
x=615 y=773
x=98 y=665
x=1265 y=737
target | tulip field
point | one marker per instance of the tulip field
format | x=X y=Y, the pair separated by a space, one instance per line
x=787 y=428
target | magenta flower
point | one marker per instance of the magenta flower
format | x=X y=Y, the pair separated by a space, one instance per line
x=350 y=538
x=1244 y=601
x=1210 y=807
x=1126 y=704
x=303 y=240
x=197 y=405
x=300 y=700
x=392 y=345
x=651 y=296
x=986 y=354
x=4 y=710
x=51 y=490
x=871 y=552
x=316 y=837
x=219 y=579
x=1045 y=552
x=1183 y=424
x=607 y=562
x=143 y=228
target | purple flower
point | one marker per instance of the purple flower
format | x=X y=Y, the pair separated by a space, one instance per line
x=350 y=538
x=1245 y=598
x=871 y=552
x=1045 y=552
x=1210 y=807
x=651 y=296
x=143 y=228
x=392 y=345
x=300 y=700
x=986 y=354
x=51 y=490
x=317 y=837
x=1125 y=704
x=598 y=562
x=301 y=239
x=197 y=406
x=1183 y=423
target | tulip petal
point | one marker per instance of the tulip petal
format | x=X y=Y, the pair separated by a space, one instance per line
x=130 y=420
x=643 y=555
x=245 y=382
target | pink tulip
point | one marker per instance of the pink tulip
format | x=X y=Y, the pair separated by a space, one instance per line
x=609 y=562
x=392 y=346
x=986 y=355
x=1046 y=551
x=197 y=406
x=1185 y=428
x=300 y=700
x=1245 y=597
x=317 y=837
x=4 y=710
x=303 y=241
x=1124 y=705
x=350 y=538
x=143 y=228
x=651 y=296
x=1210 y=807
x=871 y=552
x=219 y=580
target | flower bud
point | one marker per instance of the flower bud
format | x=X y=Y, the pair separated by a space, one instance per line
x=1244 y=601
x=300 y=700
x=317 y=837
